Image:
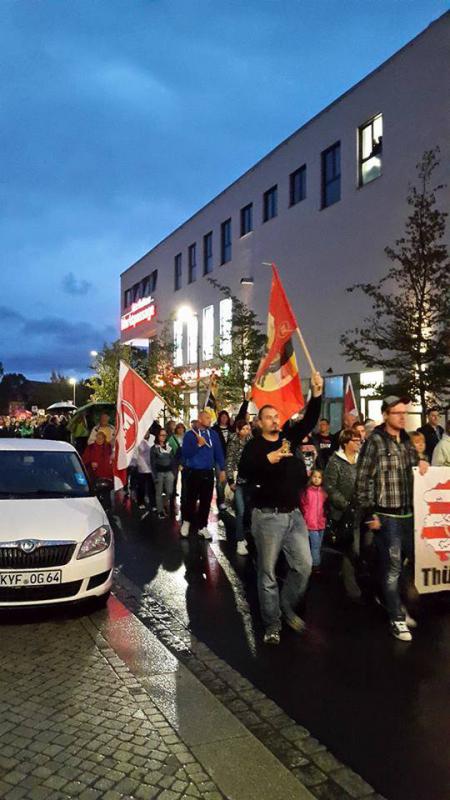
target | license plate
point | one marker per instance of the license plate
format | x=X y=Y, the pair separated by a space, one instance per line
x=15 y=580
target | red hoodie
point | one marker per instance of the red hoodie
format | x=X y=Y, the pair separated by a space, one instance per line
x=99 y=454
x=312 y=504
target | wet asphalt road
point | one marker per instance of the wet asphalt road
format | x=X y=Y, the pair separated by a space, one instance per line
x=379 y=705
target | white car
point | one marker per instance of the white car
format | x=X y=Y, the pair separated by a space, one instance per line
x=56 y=543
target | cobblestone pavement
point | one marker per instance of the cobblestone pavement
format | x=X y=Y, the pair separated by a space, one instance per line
x=306 y=758
x=76 y=723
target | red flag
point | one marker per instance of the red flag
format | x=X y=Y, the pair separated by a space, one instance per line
x=350 y=406
x=138 y=405
x=278 y=381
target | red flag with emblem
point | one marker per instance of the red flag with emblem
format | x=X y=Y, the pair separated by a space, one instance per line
x=277 y=381
x=138 y=405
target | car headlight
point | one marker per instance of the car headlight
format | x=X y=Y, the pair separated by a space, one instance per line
x=96 y=542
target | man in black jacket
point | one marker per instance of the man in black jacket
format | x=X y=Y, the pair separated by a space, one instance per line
x=432 y=431
x=276 y=478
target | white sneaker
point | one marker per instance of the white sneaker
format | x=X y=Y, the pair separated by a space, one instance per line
x=400 y=630
x=242 y=549
x=221 y=531
x=204 y=533
x=410 y=621
x=184 y=530
x=142 y=506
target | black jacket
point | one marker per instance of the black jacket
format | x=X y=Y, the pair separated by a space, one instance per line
x=431 y=438
x=278 y=485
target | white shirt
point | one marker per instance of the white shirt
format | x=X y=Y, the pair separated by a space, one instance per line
x=141 y=456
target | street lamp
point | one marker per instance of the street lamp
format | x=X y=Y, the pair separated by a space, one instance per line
x=186 y=314
x=73 y=382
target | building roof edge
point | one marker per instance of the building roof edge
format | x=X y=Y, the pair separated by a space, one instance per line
x=325 y=110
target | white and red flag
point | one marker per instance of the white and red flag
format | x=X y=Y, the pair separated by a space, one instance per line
x=350 y=406
x=138 y=406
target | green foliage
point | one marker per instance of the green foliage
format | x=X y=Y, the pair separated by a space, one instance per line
x=408 y=332
x=155 y=367
x=249 y=341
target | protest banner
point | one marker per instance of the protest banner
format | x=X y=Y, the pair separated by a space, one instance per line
x=432 y=530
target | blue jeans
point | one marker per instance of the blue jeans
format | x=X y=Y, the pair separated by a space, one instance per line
x=273 y=533
x=394 y=542
x=315 y=542
x=240 y=503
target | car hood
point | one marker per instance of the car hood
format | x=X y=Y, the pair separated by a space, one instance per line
x=53 y=519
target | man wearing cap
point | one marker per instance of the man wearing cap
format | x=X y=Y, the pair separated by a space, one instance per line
x=384 y=491
x=432 y=431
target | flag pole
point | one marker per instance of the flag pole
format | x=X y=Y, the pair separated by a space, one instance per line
x=306 y=351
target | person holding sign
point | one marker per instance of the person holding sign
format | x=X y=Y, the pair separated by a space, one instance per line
x=384 y=491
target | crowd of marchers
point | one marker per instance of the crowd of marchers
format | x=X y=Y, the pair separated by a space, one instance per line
x=293 y=488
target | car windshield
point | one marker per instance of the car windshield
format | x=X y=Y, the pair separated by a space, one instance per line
x=41 y=474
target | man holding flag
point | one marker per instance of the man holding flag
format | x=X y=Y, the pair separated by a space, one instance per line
x=274 y=474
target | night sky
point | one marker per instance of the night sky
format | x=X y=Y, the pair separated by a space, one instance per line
x=120 y=118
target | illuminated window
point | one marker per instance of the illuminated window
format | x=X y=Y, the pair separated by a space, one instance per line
x=177 y=271
x=270 y=203
x=331 y=175
x=192 y=259
x=370 y=150
x=192 y=339
x=208 y=333
x=207 y=253
x=178 y=342
x=297 y=185
x=371 y=382
x=225 y=241
x=226 y=318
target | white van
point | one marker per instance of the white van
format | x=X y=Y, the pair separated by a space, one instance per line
x=56 y=543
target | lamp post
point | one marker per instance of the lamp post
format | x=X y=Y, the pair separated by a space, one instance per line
x=186 y=314
x=73 y=382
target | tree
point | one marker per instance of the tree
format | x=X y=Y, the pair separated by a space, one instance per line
x=155 y=367
x=105 y=383
x=13 y=387
x=239 y=368
x=408 y=332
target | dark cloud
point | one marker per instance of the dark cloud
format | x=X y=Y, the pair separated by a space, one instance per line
x=73 y=286
x=35 y=346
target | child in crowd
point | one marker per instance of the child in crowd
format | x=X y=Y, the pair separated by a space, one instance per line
x=312 y=504
x=418 y=440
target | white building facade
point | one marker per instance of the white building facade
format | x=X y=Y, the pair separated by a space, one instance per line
x=322 y=205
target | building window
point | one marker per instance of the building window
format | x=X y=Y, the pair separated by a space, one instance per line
x=370 y=150
x=225 y=322
x=177 y=270
x=331 y=175
x=270 y=203
x=297 y=185
x=192 y=339
x=153 y=280
x=128 y=298
x=207 y=253
x=225 y=241
x=246 y=219
x=192 y=261
x=137 y=292
x=208 y=333
x=178 y=343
